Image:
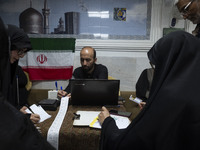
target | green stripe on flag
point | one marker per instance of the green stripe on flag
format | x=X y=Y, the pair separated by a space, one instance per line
x=53 y=44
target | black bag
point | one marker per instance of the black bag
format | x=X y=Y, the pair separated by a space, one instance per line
x=49 y=104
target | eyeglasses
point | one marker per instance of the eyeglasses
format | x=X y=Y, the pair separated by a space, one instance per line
x=185 y=9
x=21 y=51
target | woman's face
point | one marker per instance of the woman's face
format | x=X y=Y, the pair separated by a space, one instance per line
x=16 y=54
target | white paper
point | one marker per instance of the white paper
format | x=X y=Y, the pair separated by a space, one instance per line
x=136 y=100
x=40 y=111
x=86 y=117
x=121 y=122
x=53 y=132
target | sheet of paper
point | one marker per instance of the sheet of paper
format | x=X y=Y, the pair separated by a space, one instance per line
x=40 y=111
x=53 y=132
x=86 y=118
x=121 y=122
x=136 y=100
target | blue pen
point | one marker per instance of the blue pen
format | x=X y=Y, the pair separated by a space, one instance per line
x=61 y=87
x=56 y=84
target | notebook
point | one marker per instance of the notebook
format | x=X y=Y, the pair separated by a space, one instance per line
x=94 y=92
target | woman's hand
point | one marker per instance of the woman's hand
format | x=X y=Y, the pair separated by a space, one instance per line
x=23 y=110
x=142 y=104
x=103 y=115
x=35 y=118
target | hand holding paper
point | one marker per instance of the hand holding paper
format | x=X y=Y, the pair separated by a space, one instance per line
x=40 y=111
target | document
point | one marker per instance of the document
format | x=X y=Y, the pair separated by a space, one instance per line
x=121 y=122
x=53 y=132
x=90 y=118
x=86 y=117
x=40 y=111
x=136 y=100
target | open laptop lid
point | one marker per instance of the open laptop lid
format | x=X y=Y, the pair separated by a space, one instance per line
x=94 y=92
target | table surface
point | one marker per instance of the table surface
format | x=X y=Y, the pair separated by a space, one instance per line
x=75 y=137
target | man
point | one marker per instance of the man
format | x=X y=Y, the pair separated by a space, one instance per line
x=88 y=70
x=19 y=45
x=190 y=10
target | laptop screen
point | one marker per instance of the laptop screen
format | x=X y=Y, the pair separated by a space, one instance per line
x=94 y=92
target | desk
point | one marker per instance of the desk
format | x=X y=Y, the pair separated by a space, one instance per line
x=75 y=138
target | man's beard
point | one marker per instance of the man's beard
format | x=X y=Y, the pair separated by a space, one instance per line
x=87 y=69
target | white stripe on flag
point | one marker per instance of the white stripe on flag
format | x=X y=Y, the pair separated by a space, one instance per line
x=47 y=59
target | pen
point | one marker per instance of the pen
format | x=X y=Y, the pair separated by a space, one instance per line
x=61 y=87
x=29 y=108
x=56 y=84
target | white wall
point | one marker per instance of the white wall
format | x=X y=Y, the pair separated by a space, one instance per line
x=126 y=67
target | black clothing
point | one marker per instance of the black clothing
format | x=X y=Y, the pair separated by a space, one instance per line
x=143 y=84
x=4 y=60
x=16 y=129
x=100 y=72
x=22 y=81
x=18 y=40
x=171 y=118
x=196 y=32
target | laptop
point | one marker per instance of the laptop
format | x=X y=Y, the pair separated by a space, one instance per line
x=94 y=92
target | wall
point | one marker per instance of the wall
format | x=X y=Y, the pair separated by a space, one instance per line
x=96 y=16
x=126 y=63
x=126 y=59
x=126 y=67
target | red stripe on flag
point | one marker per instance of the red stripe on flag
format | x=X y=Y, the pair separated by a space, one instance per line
x=49 y=74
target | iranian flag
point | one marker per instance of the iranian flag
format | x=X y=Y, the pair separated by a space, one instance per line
x=50 y=59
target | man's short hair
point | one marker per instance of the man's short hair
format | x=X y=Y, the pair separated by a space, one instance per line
x=94 y=51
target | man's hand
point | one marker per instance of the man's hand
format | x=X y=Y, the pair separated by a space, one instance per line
x=69 y=95
x=103 y=115
x=62 y=93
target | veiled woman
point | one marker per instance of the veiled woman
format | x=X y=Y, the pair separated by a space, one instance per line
x=171 y=118
x=16 y=129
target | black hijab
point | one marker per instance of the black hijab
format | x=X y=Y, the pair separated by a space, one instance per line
x=16 y=129
x=171 y=118
x=18 y=40
x=4 y=60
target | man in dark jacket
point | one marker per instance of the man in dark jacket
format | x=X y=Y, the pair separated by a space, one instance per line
x=88 y=70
